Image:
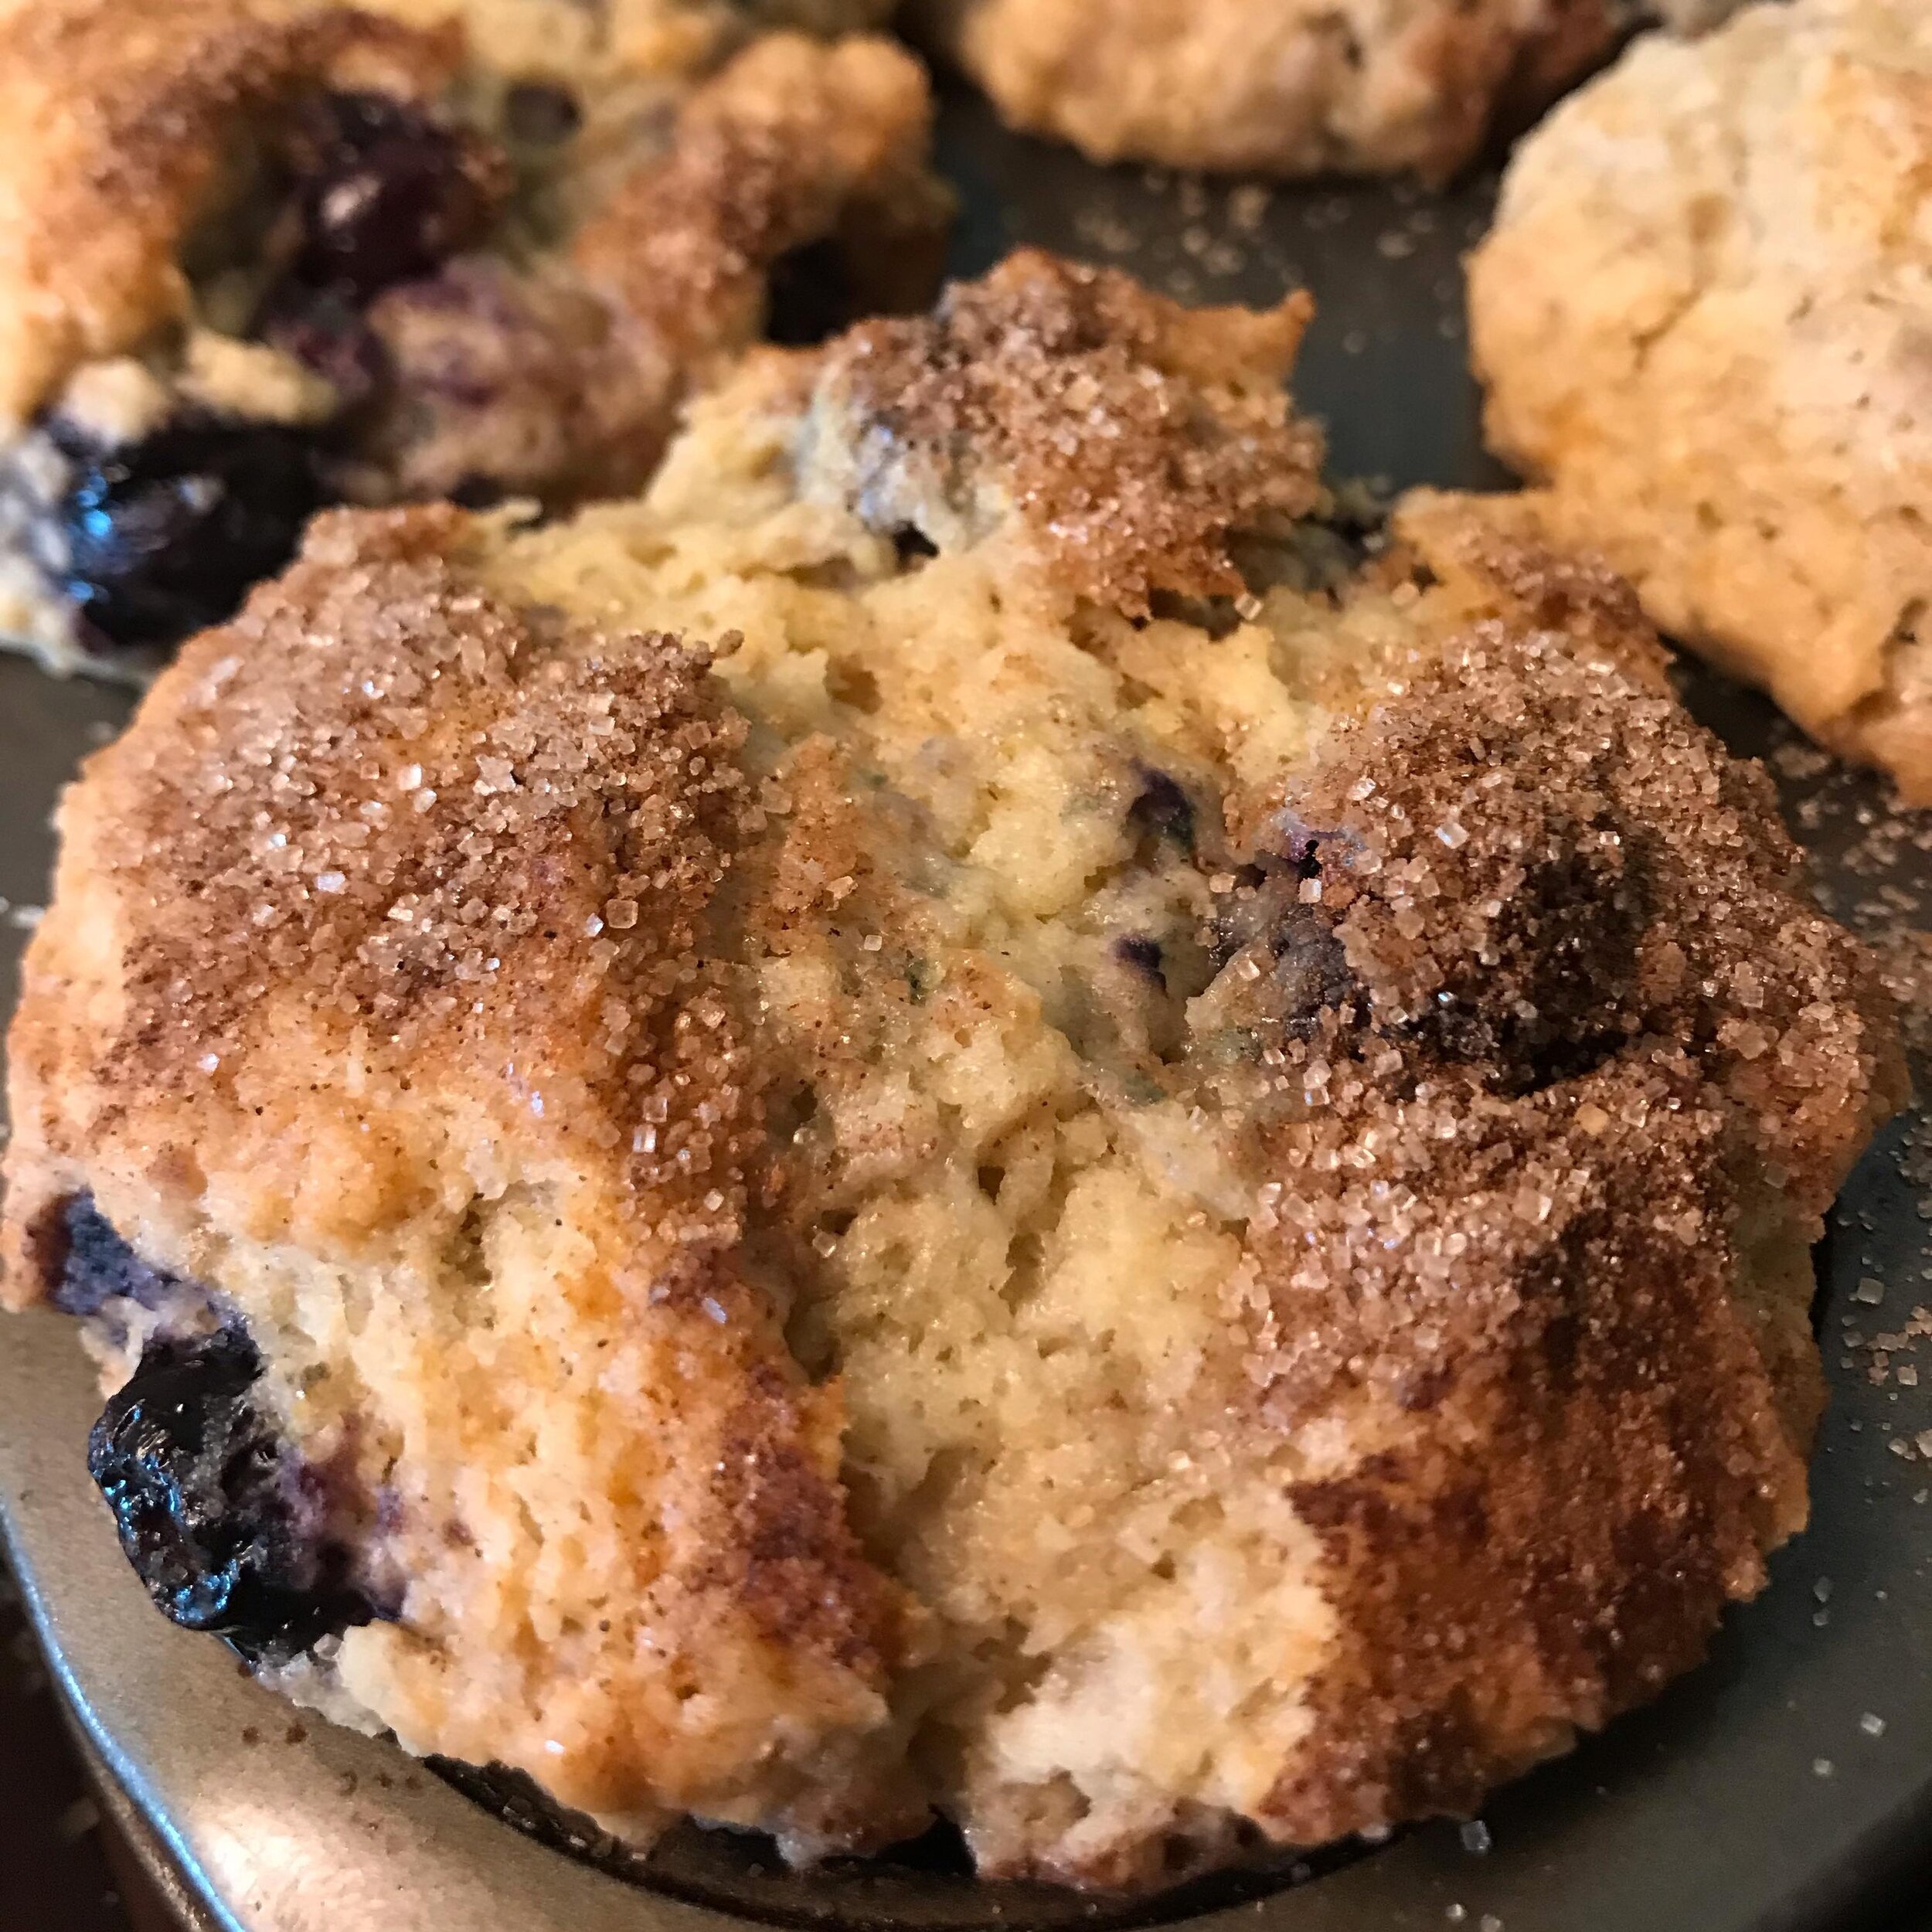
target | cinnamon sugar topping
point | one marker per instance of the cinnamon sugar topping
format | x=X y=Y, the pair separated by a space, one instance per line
x=408 y=828
x=1127 y=438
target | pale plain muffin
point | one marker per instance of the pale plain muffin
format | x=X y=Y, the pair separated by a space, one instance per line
x=257 y=256
x=1703 y=318
x=950 y=1118
x=1281 y=86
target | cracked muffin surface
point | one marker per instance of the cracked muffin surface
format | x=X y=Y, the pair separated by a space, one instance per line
x=1701 y=319
x=257 y=255
x=953 y=1116
x=1280 y=86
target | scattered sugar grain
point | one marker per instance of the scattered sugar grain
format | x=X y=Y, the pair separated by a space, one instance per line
x=1248 y=206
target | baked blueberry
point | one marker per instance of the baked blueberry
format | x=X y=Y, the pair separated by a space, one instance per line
x=209 y=1512
x=540 y=115
x=1162 y=809
x=813 y=294
x=159 y=537
x=386 y=193
x=96 y=1265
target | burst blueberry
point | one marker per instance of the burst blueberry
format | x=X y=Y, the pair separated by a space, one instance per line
x=163 y=537
x=211 y=1514
x=1143 y=954
x=97 y=1266
x=387 y=194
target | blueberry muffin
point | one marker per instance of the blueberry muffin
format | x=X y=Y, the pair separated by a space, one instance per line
x=1281 y=86
x=256 y=258
x=955 y=1118
x=1703 y=318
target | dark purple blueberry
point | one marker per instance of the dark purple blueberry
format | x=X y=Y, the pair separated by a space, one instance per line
x=97 y=1266
x=1162 y=810
x=385 y=194
x=1143 y=954
x=165 y=537
x=911 y=545
x=1216 y=616
x=212 y=1513
x=537 y=114
x=475 y=492
x=1311 y=974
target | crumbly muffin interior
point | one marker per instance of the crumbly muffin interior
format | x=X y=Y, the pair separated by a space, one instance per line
x=1006 y=1226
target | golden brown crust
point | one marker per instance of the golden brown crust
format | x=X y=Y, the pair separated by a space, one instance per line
x=1279 y=86
x=788 y=143
x=1700 y=318
x=1494 y=559
x=384 y=824
x=1124 y=439
x=1498 y=1600
x=117 y=133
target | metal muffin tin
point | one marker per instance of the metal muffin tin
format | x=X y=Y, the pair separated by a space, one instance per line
x=1786 y=1784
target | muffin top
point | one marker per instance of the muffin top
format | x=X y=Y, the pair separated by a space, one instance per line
x=1289 y=87
x=143 y=155
x=962 y=1114
x=1701 y=318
